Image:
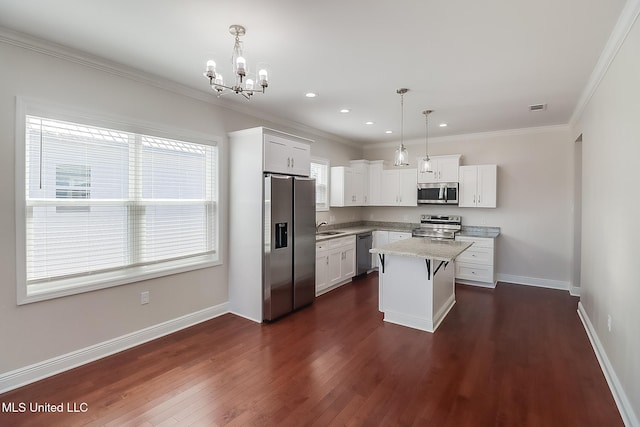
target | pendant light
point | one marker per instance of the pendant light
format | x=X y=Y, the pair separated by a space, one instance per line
x=425 y=162
x=401 y=157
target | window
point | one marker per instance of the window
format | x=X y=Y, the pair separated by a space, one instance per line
x=104 y=207
x=320 y=171
x=73 y=182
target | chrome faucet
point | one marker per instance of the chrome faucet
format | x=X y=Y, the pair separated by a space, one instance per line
x=318 y=225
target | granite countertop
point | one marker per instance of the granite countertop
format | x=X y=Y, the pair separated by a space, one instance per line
x=350 y=229
x=419 y=247
x=474 y=231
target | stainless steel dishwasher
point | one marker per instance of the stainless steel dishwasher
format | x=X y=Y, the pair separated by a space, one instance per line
x=363 y=257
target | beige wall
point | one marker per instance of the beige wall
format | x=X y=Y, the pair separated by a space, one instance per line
x=610 y=129
x=36 y=332
x=535 y=196
x=338 y=155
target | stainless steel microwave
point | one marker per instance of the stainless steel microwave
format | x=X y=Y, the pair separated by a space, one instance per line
x=438 y=193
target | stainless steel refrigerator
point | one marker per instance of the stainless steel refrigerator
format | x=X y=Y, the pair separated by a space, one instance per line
x=289 y=255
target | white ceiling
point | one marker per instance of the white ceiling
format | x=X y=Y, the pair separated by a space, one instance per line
x=478 y=64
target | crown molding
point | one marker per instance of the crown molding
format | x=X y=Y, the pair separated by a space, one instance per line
x=618 y=35
x=475 y=136
x=46 y=47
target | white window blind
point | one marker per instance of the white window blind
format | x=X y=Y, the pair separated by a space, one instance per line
x=102 y=201
x=320 y=171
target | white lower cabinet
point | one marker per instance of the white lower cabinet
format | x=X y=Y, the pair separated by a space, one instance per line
x=381 y=238
x=335 y=262
x=475 y=265
x=322 y=267
x=394 y=236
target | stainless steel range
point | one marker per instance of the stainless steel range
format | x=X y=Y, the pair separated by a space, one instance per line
x=441 y=227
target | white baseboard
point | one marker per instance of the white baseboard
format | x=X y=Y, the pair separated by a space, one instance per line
x=574 y=290
x=421 y=323
x=246 y=317
x=534 y=281
x=332 y=287
x=475 y=283
x=629 y=417
x=444 y=310
x=29 y=374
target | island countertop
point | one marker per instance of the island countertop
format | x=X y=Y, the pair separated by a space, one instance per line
x=419 y=247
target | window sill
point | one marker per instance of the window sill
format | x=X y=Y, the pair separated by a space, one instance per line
x=77 y=285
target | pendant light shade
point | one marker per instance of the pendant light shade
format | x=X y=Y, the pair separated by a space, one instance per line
x=425 y=162
x=401 y=157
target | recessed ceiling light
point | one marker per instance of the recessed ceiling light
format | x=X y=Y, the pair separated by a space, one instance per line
x=368 y=123
x=345 y=110
x=388 y=131
x=310 y=94
x=443 y=125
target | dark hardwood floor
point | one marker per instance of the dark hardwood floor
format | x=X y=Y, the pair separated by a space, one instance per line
x=510 y=356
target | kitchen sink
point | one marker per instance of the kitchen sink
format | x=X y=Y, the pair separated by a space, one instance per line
x=329 y=233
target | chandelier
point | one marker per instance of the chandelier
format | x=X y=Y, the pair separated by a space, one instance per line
x=243 y=85
x=401 y=157
x=425 y=162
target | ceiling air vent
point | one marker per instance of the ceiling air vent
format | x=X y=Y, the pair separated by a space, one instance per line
x=537 y=107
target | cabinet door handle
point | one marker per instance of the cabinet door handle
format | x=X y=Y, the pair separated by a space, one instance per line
x=292 y=160
x=288 y=162
x=327 y=260
x=478 y=198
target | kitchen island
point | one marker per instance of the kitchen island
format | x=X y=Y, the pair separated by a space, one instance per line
x=416 y=281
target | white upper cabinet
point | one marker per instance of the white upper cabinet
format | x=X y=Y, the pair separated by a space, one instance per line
x=399 y=187
x=478 y=186
x=445 y=169
x=375 y=182
x=350 y=185
x=389 y=185
x=286 y=155
x=347 y=187
x=408 y=189
x=361 y=175
x=366 y=183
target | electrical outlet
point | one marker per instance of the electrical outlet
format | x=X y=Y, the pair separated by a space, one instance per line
x=609 y=322
x=144 y=297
